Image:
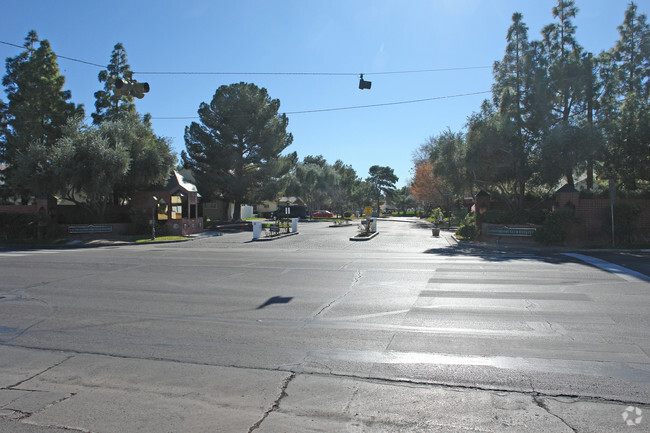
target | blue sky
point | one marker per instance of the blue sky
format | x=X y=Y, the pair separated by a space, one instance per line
x=346 y=36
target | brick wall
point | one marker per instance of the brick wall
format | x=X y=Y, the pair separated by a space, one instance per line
x=21 y=209
x=595 y=213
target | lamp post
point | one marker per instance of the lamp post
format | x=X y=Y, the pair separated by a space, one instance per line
x=154 y=202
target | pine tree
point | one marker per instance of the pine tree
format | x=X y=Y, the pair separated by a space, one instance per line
x=4 y=130
x=108 y=105
x=624 y=114
x=235 y=150
x=509 y=93
x=569 y=83
x=383 y=181
x=38 y=107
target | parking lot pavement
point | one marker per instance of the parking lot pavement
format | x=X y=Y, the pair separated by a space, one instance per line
x=321 y=235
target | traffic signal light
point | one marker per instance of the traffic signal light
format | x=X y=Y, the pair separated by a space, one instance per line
x=363 y=84
x=130 y=88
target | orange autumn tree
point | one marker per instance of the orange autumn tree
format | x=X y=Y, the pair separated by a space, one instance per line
x=426 y=187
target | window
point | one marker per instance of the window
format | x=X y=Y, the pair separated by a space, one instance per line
x=185 y=206
x=162 y=208
x=177 y=207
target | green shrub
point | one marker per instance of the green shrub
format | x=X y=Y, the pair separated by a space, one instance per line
x=14 y=226
x=347 y=214
x=436 y=216
x=458 y=216
x=556 y=227
x=468 y=229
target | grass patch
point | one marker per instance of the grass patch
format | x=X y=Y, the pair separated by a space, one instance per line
x=161 y=239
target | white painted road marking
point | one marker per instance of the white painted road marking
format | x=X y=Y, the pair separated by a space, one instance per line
x=625 y=273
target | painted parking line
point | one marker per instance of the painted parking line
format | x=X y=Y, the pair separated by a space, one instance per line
x=623 y=272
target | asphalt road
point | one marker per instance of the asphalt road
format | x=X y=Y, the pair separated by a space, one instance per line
x=313 y=332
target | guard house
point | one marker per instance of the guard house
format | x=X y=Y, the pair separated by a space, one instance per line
x=175 y=206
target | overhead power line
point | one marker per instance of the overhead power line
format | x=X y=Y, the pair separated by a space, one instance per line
x=416 y=71
x=354 y=107
x=58 y=56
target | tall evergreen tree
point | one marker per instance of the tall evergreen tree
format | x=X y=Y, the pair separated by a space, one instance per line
x=625 y=108
x=510 y=90
x=235 y=149
x=564 y=54
x=38 y=107
x=4 y=130
x=108 y=105
x=383 y=181
x=568 y=85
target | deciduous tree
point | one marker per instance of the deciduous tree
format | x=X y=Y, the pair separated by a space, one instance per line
x=426 y=187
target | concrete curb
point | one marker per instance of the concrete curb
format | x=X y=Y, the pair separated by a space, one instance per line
x=272 y=238
x=354 y=238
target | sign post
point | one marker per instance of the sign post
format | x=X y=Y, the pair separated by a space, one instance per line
x=612 y=197
x=154 y=202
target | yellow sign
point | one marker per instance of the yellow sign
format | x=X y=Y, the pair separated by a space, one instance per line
x=369 y=210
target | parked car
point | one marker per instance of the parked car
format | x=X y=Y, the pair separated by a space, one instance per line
x=322 y=214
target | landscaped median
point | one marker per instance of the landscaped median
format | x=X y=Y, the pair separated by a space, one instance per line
x=281 y=228
x=341 y=222
x=162 y=239
x=121 y=240
x=367 y=230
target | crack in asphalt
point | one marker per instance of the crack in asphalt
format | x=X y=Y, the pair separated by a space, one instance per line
x=539 y=402
x=385 y=380
x=15 y=385
x=276 y=403
x=355 y=282
x=460 y=387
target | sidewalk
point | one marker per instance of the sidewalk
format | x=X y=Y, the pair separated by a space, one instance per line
x=48 y=391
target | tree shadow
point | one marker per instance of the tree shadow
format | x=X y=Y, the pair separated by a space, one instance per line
x=500 y=253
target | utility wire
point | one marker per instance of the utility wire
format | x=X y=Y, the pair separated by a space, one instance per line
x=417 y=71
x=311 y=73
x=297 y=73
x=355 y=107
x=388 y=103
x=57 y=56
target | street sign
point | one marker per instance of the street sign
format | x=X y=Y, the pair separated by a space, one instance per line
x=368 y=210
